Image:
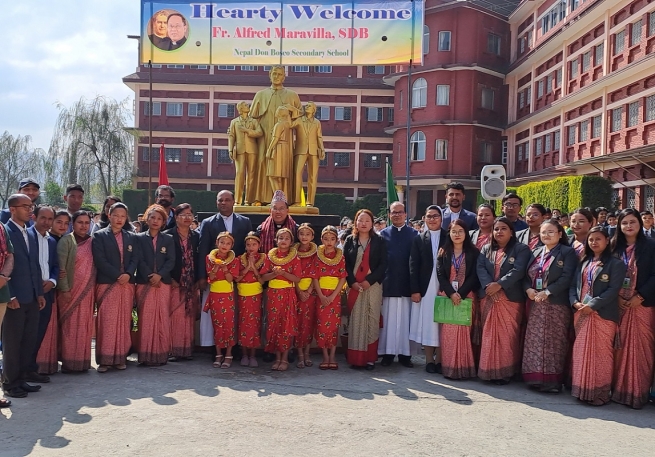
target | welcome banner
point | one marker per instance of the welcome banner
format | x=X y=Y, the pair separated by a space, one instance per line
x=248 y=32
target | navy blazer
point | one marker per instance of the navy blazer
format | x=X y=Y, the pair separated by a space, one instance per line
x=523 y=236
x=421 y=261
x=469 y=218
x=557 y=278
x=163 y=258
x=26 y=283
x=512 y=270
x=645 y=261
x=53 y=261
x=5 y=215
x=107 y=259
x=176 y=273
x=212 y=226
x=605 y=287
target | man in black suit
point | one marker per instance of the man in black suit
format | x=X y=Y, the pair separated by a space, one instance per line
x=49 y=263
x=177 y=30
x=21 y=321
x=29 y=187
x=455 y=195
x=165 y=196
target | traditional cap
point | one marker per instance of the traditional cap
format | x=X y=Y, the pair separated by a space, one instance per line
x=330 y=229
x=28 y=181
x=306 y=226
x=253 y=236
x=279 y=196
x=225 y=234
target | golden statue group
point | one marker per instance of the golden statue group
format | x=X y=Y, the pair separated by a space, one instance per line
x=266 y=155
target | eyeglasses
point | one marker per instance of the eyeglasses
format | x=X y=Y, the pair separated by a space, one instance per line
x=511 y=205
x=185 y=216
x=431 y=217
x=28 y=207
x=549 y=233
x=458 y=233
x=397 y=213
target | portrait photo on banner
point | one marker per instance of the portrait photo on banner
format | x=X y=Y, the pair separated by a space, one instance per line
x=168 y=30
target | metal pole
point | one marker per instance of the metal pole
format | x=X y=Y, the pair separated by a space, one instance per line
x=409 y=115
x=150 y=133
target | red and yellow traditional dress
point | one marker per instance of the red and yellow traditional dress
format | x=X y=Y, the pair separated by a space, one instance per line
x=328 y=269
x=281 y=301
x=307 y=308
x=251 y=294
x=220 y=302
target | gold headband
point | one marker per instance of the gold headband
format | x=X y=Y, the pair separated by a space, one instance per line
x=330 y=229
x=303 y=226
x=253 y=237
x=285 y=230
x=225 y=235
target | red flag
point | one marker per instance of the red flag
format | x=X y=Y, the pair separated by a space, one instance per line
x=163 y=174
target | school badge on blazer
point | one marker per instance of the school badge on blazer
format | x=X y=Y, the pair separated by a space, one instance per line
x=560 y=263
x=511 y=260
x=605 y=277
x=163 y=250
x=129 y=248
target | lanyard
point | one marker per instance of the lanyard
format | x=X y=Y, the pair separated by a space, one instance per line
x=591 y=269
x=544 y=258
x=457 y=262
x=627 y=258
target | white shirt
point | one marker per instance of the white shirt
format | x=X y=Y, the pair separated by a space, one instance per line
x=228 y=221
x=454 y=216
x=24 y=232
x=44 y=256
x=435 y=236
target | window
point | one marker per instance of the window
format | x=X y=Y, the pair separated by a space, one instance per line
x=322 y=113
x=574 y=69
x=324 y=161
x=341 y=159
x=441 y=150
x=173 y=109
x=571 y=141
x=342 y=113
x=545 y=24
x=426 y=39
x=522 y=45
x=556 y=141
x=521 y=99
x=154 y=65
x=156 y=109
x=599 y=50
x=301 y=68
x=177 y=67
x=526 y=150
x=635 y=36
x=596 y=123
x=248 y=68
x=198 y=67
x=574 y=4
x=444 y=41
x=519 y=153
x=323 y=69
x=503 y=158
x=558 y=78
x=549 y=83
x=651 y=23
x=417 y=146
x=155 y=154
x=616 y=119
x=633 y=114
x=226 y=109
x=650 y=107
x=419 y=93
x=173 y=155
x=547 y=140
x=486 y=152
x=619 y=42
x=226 y=67
x=195 y=155
x=374 y=114
x=443 y=95
x=540 y=88
x=537 y=146
x=584 y=130
x=375 y=70
x=267 y=68
x=493 y=43
x=528 y=96
x=586 y=61
x=372 y=161
x=390 y=115
x=488 y=98
x=223 y=156
x=196 y=110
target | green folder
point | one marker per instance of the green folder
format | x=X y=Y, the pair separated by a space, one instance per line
x=447 y=313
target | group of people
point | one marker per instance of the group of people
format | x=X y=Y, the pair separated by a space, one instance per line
x=550 y=308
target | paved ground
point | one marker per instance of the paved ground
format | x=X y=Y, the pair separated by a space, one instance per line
x=192 y=409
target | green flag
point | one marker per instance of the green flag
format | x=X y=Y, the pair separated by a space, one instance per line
x=392 y=195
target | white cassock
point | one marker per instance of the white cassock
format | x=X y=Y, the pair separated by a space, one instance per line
x=206 y=327
x=394 y=335
x=423 y=330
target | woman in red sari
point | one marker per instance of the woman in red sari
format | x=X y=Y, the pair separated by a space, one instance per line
x=485 y=218
x=329 y=279
x=458 y=279
x=594 y=295
x=222 y=267
x=535 y=214
x=306 y=293
x=366 y=264
x=185 y=300
x=549 y=322
x=251 y=292
x=116 y=260
x=501 y=267
x=153 y=290
x=633 y=367
x=581 y=222
x=48 y=355
x=282 y=270
x=76 y=298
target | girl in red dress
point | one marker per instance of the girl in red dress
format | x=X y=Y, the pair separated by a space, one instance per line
x=249 y=286
x=329 y=279
x=222 y=268
x=305 y=291
x=282 y=270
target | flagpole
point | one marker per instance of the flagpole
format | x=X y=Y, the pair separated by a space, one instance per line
x=150 y=154
x=409 y=115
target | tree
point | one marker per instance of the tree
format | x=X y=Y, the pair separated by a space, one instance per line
x=17 y=161
x=93 y=144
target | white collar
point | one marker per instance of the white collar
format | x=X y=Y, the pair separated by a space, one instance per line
x=226 y=217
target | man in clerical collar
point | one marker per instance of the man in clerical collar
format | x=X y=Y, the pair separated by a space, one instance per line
x=159 y=36
x=278 y=219
x=396 y=302
x=177 y=29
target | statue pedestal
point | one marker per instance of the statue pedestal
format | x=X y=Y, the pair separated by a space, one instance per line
x=266 y=209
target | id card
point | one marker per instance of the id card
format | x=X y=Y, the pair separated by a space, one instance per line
x=626 y=283
x=587 y=298
x=539 y=283
x=455 y=285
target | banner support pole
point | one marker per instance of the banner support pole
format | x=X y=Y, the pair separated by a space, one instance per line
x=150 y=133
x=409 y=116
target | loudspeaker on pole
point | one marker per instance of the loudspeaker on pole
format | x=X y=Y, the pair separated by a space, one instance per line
x=493 y=182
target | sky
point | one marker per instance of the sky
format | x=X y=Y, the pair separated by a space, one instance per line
x=59 y=51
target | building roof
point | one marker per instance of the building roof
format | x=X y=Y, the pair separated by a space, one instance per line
x=502 y=7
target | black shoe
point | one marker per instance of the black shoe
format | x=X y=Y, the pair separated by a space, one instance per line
x=28 y=388
x=438 y=368
x=431 y=368
x=406 y=361
x=268 y=357
x=292 y=356
x=36 y=377
x=370 y=366
x=387 y=360
x=16 y=392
